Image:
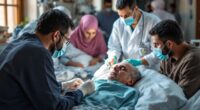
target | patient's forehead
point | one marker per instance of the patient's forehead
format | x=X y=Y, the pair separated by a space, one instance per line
x=126 y=64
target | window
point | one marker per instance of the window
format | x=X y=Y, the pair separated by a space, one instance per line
x=11 y=13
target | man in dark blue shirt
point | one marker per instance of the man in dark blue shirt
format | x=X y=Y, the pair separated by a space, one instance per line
x=106 y=18
x=27 y=80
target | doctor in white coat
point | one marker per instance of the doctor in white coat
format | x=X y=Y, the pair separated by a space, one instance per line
x=130 y=35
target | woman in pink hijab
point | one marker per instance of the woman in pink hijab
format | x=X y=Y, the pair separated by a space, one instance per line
x=88 y=38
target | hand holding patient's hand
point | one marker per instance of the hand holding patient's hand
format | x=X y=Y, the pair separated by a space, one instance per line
x=111 y=61
x=75 y=64
x=134 y=62
x=87 y=87
x=72 y=84
x=94 y=61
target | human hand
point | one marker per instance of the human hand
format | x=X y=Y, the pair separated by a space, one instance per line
x=75 y=64
x=111 y=61
x=72 y=84
x=94 y=61
x=87 y=87
x=134 y=62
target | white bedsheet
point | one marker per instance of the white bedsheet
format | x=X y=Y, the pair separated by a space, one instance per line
x=193 y=103
x=157 y=92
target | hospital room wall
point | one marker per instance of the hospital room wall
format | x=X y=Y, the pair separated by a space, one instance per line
x=187 y=10
x=30 y=9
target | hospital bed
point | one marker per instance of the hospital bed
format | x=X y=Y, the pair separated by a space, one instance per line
x=157 y=92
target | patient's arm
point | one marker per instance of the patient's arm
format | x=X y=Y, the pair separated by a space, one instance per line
x=75 y=64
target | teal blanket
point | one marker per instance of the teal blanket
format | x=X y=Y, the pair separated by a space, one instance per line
x=113 y=94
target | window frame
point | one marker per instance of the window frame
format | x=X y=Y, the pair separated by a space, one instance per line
x=19 y=11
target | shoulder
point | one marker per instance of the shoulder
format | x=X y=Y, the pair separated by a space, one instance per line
x=118 y=24
x=193 y=54
x=151 y=18
x=33 y=49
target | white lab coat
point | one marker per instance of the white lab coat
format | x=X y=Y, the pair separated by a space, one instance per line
x=136 y=44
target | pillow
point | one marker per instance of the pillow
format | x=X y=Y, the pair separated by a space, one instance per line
x=193 y=103
x=158 y=92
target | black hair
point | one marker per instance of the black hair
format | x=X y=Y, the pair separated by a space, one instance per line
x=53 y=20
x=107 y=1
x=121 y=4
x=168 y=30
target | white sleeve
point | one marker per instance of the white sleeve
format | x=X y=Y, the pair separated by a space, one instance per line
x=114 y=45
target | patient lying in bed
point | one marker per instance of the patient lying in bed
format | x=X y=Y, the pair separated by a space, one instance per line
x=116 y=92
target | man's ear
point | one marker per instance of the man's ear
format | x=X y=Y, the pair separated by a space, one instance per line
x=170 y=44
x=55 y=35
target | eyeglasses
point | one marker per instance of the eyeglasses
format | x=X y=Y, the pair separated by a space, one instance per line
x=66 y=38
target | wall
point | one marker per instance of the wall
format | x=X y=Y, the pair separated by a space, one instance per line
x=97 y=4
x=30 y=9
x=188 y=15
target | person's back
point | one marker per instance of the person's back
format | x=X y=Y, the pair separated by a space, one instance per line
x=12 y=90
x=27 y=79
x=106 y=18
x=158 y=9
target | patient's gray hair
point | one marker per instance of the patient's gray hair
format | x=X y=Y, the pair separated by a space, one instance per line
x=135 y=74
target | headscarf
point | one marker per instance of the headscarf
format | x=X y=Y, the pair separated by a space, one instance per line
x=96 y=46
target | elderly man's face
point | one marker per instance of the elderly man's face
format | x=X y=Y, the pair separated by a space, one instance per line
x=122 y=73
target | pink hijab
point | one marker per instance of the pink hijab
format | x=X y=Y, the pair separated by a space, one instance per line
x=97 y=46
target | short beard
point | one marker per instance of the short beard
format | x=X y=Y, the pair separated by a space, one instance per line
x=52 y=48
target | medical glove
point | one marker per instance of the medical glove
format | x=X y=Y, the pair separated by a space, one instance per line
x=134 y=62
x=111 y=61
x=72 y=84
x=87 y=87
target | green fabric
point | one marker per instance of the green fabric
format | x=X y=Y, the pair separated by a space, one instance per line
x=113 y=94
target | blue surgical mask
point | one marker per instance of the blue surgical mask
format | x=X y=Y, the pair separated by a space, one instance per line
x=158 y=53
x=61 y=52
x=129 y=21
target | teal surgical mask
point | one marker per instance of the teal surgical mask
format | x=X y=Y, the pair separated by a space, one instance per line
x=61 y=52
x=58 y=52
x=129 y=21
x=158 y=53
